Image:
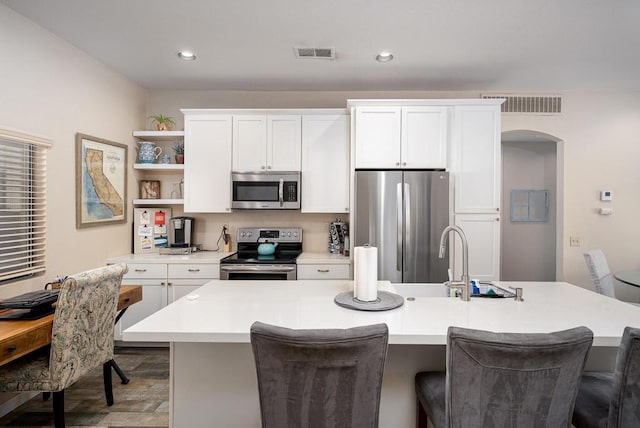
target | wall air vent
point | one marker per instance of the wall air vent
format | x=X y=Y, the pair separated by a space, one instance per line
x=539 y=104
x=316 y=53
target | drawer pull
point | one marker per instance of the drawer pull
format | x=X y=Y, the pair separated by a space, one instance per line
x=12 y=348
x=193 y=270
x=140 y=270
x=323 y=270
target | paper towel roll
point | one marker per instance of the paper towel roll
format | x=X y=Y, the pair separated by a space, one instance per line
x=365 y=277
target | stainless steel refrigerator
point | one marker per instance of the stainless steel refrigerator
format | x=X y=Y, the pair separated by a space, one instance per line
x=403 y=214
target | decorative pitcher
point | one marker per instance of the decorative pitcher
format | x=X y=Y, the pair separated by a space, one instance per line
x=148 y=152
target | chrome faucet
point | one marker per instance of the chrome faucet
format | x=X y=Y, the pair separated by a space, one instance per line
x=463 y=285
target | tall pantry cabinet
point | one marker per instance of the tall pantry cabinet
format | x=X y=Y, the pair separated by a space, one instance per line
x=475 y=162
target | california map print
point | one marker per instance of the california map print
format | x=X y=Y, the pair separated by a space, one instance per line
x=103 y=182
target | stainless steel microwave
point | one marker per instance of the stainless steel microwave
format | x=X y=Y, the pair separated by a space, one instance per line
x=270 y=190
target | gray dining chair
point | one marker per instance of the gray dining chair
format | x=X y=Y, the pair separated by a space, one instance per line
x=600 y=274
x=612 y=399
x=505 y=379
x=319 y=378
x=81 y=339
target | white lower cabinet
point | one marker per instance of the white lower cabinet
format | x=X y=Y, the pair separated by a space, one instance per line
x=162 y=283
x=324 y=271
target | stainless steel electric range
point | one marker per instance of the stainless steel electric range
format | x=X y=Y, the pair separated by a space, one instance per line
x=264 y=253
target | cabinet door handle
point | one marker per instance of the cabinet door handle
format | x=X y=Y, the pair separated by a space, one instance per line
x=397 y=163
x=12 y=348
x=193 y=270
x=269 y=167
x=404 y=163
x=140 y=270
x=323 y=270
x=262 y=167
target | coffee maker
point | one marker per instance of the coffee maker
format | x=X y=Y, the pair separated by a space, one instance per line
x=181 y=232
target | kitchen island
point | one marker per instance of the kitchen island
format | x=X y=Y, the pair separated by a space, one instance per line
x=212 y=370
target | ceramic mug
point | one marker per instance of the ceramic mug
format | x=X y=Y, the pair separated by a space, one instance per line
x=148 y=152
x=166 y=159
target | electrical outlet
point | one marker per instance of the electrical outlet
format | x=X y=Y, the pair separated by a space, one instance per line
x=574 y=241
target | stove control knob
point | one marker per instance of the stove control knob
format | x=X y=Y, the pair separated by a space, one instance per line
x=295 y=234
x=249 y=234
x=289 y=234
x=242 y=234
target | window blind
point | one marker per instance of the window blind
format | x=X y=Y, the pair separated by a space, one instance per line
x=23 y=204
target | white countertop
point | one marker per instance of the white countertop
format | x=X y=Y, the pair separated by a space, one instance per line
x=197 y=257
x=224 y=311
x=215 y=256
x=309 y=258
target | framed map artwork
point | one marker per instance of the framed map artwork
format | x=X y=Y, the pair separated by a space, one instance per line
x=101 y=182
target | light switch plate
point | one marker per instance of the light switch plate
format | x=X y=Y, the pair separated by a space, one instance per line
x=606 y=195
x=574 y=241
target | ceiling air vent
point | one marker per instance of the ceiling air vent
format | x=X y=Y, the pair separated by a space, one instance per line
x=317 y=53
x=544 y=104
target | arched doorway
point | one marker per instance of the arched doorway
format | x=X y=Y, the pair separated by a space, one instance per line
x=531 y=234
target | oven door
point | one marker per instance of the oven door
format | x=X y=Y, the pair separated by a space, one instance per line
x=258 y=272
x=268 y=190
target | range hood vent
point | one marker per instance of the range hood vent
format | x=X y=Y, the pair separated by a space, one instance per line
x=315 y=53
x=539 y=104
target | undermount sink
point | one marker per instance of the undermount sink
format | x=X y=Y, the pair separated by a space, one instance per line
x=408 y=290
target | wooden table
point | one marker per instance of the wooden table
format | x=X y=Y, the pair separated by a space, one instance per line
x=631 y=277
x=18 y=338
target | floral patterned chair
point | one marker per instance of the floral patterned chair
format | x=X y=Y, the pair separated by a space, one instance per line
x=81 y=339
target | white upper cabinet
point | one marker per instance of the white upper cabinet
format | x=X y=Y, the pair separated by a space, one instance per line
x=263 y=143
x=475 y=158
x=377 y=137
x=207 y=159
x=283 y=142
x=424 y=137
x=401 y=137
x=249 y=143
x=325 y=164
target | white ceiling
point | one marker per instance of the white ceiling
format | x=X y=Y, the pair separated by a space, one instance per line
x=485 y=45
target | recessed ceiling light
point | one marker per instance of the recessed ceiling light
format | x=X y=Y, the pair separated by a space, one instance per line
x=384 y=57
x=186 y=55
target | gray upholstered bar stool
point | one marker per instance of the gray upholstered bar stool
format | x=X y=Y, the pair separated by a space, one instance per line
x=612 y=399
x=319 y=378
x=505 y=379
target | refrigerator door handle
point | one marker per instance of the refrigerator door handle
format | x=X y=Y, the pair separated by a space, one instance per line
x=399 y=227
x=407 y=225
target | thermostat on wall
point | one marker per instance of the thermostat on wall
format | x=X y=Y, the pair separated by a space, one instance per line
x=606 y=195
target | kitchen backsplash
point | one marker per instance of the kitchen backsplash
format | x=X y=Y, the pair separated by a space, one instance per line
x=315 y=227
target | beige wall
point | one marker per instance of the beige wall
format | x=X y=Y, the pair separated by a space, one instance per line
x=528 y=165
x=53 y=89
x=50 y=88
x=601 y=134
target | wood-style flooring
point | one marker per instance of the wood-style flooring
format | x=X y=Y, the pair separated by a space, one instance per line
x=143 y=402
